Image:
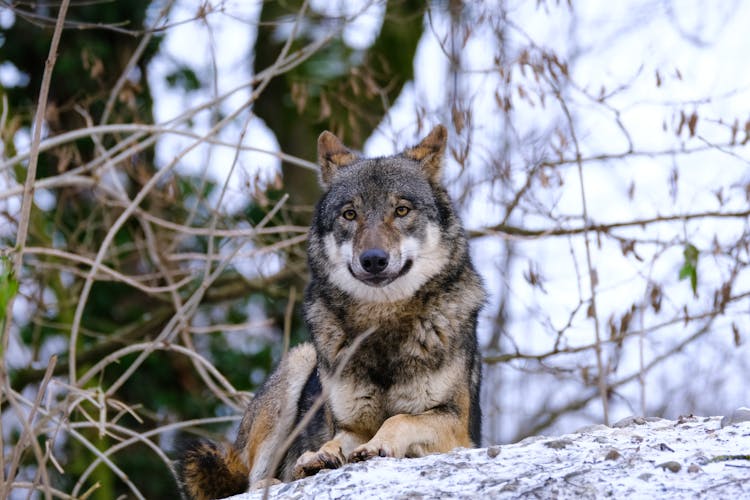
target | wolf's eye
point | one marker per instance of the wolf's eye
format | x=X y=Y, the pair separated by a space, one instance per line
x=401 y=211
x=349 y=214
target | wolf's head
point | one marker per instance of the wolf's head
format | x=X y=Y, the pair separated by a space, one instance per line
x=384 y=226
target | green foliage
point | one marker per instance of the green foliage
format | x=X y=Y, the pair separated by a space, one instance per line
x=8 y=285
x=184 y=78
x=689 y=268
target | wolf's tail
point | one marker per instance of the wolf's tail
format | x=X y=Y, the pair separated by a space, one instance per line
x=208 y=470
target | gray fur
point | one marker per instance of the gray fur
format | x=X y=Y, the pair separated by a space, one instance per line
x=392 y=309
x=427 y=334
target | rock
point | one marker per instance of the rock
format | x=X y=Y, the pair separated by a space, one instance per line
x=664 y=447
x=694 y=469
x=591 y=428
x=635 y=420
x=671 y=466
x=558 y=444
x=628 y=421
x=741 y=414
x=608 y=462
x=612 y=454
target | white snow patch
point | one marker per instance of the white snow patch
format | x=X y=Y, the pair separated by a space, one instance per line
x=693 y=457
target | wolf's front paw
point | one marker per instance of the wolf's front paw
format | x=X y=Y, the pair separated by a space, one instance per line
x=312 y=462
x=369 y=450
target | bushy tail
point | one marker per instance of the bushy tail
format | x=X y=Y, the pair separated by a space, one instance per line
x=208 y=470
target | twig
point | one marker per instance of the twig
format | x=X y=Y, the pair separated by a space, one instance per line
x=504 y=229
x=592 y=273
x=143 y=437
x=28 y=436
x=188 y=307
x=140 y=130
x=158 y=346
x=340 y=364
x=288 y=312
x=23 y=226
x=283 y=63
x=148 y=34
x=23 y=221
x=553 y=415
x=150 y=290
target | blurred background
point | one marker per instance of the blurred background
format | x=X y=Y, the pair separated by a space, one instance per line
x=152 y=265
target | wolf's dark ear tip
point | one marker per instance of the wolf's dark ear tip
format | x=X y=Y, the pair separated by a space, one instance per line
x=327 y=140
x=437 y=137
x=439 y=133
x=332 y=155
x=331 y=149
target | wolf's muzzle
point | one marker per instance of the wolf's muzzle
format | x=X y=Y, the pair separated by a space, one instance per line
x=374 y=260
x=373 y=268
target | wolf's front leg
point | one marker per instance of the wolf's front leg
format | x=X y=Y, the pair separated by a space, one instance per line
x=406 y=435
x=331 y=455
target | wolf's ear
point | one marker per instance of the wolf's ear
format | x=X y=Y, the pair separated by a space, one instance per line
x=430 y=152
x=332 y=155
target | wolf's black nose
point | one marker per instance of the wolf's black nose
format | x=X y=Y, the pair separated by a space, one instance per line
x=373 y=260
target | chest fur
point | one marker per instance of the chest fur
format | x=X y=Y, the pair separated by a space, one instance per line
x=399 y=358
x=363 y=405
x=405 y=363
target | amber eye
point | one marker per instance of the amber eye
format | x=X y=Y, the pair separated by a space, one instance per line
x=349 y=214
x=401 y=211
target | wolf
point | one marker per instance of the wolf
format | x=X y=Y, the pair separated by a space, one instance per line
x=393 y=369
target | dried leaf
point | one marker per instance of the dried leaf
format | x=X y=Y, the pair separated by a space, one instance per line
x=299 y=96
x=457 y=117
x=625 y=321
x=612 y=328
x=627 y=246
x=674 y=178
x=655 y=297
x=325 y=107
x=736 y=335
x=590 y=310
x=683 y=120
x=692 y=122
x=725 y=294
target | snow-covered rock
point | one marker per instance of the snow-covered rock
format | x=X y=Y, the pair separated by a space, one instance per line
x=693 y=457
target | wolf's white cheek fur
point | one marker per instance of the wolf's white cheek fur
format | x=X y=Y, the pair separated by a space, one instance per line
x=339 y=257
x=428 y=257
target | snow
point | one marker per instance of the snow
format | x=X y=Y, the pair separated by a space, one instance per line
x=692 y=457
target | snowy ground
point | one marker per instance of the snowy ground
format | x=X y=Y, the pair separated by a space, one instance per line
x=693 y=457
